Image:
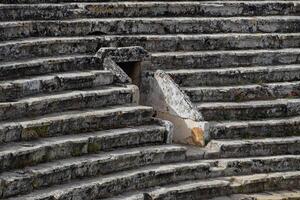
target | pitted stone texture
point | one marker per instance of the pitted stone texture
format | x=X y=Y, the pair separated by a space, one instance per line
x=281 y=24
x=144 y=9
x=238 y=57
x=58 y=172
x=249 y=110
x=15 y=89
x=64 y=101
x=235 y=76
x=61 y=46
x=239 y=93
x=110 y=185
x=276 y=195
x=123 y=54
x=22 y=154
x=43 y=66
x=223 y=59
x=74 y=122
x=224 y=186
x=278 y=127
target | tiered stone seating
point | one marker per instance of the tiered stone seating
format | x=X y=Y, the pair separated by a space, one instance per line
x=69 y=130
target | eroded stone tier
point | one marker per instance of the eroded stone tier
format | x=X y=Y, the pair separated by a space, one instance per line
x=70 y=129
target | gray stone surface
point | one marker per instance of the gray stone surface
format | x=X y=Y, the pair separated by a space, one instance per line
x=71 y=130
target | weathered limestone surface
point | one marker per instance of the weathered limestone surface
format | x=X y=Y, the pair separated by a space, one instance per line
x=229 y=80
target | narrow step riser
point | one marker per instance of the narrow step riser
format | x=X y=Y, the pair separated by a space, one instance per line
x=276 y=195
x=64 y=64
x=132 y=181
x=248 y=131
x=234 y=77
x=73 y=11
x=265 y=148
x=204 y=193
x=256 y=165
x=258 y=92
x=52 y=47
x=13 y=111
x=89 y=168
x=11 y=30
x=93 y=143
x=147 y=178
x=248 y=113
x=223 y=59
x=90 y=121
x=231 y=168
x=49 y=48
x=11 y=91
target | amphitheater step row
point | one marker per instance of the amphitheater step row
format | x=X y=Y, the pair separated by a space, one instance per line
x=89 y=1
x=106 y=164
x=279 y=127
x=188 y=25
x=234 y=76
x=54 y=46
x=89 y=165
x=16 y=89
x=276 y=195
x=238 y=93
x=249 y=110
x=188 y=187
x=71 y=122
x=201 y=190
x=24 y=154
x=276 y=59
x=146 y=9
x=223 y=59
x=49 y=65
x=67 y=100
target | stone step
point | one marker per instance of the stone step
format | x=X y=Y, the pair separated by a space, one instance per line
x=191 y=25
x=146 y=9
x=223 y=59
x=89 y=1
x=235 y=76
x=73 y=122
x=50 y=47
x=58 y=172
x=29 y=153
x=42 y=66
x=255 y=147
x=277 y=195
x=64 y=101
x=46 y=47
x=280 y=127
x=225 y=186
x=151 y=176
x=12 y=90
x=249 y=110
x=238 y=93
x=253 y=165
x=234 y=167
x=110 y=185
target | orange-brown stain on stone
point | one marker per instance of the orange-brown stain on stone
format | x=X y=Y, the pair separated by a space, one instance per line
x=198 y=136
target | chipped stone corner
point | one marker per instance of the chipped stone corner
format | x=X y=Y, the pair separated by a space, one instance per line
x=123 y=54
x=169 y=126
x=172 y=104
x=111 y=57
x=135 y=93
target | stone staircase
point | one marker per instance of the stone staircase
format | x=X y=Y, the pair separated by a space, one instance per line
x=70 y=131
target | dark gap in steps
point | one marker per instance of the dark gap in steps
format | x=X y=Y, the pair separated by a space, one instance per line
x=133 y=70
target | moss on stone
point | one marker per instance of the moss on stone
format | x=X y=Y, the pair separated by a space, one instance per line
x=94 y=147
x=35 y=131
